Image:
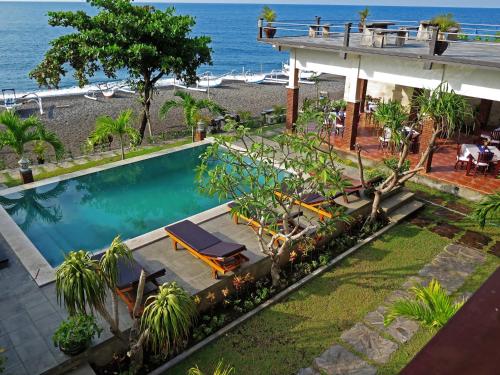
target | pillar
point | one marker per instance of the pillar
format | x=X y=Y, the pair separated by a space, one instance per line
x=425 y=139
x=362 y=85
x=482 y=116
x=292 y=96
x=351 y=126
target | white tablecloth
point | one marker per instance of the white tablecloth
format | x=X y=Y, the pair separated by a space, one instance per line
x=474 y=151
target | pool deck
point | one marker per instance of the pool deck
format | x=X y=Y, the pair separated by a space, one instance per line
x=29 y=314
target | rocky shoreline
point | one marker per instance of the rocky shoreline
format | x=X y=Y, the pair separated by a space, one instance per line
x=72 y=118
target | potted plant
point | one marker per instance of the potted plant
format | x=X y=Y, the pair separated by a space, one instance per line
x=269 y=16
x=75 y=334
x=445 y=23
x=363 y=15
x=39 y=149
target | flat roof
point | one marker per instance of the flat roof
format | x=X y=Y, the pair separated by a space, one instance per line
x=470 y=53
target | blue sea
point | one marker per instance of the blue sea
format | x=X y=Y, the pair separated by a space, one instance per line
x=25 y=34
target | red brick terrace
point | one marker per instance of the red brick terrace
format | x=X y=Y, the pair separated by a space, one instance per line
x=443 y=162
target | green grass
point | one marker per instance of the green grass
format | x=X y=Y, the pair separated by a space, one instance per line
x=10 y=182
x=288 y=335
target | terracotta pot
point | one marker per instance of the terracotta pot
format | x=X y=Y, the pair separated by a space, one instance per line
x=270 y=31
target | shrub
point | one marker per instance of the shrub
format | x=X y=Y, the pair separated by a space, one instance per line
x=76 y=333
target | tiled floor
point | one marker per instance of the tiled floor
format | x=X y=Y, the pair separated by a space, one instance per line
x=443 y=162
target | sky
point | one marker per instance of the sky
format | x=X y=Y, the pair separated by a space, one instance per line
x=440 y=3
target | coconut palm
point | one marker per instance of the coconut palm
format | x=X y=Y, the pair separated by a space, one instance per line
x=120 y=127
x=168 y=317
x=221 y=369
x=192 y=108
x=18 y=133
x=488 y=210
x=432 y=306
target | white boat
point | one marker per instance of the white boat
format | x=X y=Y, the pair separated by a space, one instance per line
x=11 y=101
x=209 y=81
x=255 y=78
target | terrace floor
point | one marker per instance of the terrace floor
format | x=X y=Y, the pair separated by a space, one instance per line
x=443 y=162
x=29 y=314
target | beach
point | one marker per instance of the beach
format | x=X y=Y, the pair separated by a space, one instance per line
x=73 y=118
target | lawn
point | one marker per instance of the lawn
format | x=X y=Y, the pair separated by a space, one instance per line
x=290 y=334
x=10 y=182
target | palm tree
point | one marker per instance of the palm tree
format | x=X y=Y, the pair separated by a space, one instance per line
x=120 y=127
x=432 y=306
x=488 y=210
x=191 y=107
x=168 y=317
x=18 y=133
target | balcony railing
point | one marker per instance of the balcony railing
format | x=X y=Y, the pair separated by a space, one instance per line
x=386 y=33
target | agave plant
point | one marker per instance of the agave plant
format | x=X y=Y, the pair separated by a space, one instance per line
x=488 y=210
x=221 y=369
x=432 y=306
x=268 y=14
x=445 y=22
x=168 y=317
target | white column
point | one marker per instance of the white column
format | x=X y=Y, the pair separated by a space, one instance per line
x=293 y=79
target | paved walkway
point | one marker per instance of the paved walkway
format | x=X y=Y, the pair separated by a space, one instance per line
x=372 y=340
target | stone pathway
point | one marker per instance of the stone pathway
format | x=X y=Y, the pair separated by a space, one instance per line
x=372 y=340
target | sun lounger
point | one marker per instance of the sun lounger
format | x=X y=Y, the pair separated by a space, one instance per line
x=129 y=273
x=314 y=202
x=357 y=187
x=256 y=225
x=219 y=255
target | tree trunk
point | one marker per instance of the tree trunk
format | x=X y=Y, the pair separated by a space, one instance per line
x=146 y=106
x=122 y=147
x=377 y=199
x=115 y=330
x=275 y=270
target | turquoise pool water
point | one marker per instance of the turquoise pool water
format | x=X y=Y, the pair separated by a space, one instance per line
x=87 y=212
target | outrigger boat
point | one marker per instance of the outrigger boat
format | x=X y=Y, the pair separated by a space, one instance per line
x=107 y=90
x=11 y=102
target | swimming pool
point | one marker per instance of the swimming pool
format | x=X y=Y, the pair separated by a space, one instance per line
x=88 y=211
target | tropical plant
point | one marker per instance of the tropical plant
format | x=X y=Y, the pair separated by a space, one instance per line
x=432 y=306
x=191 y=107
x=120 y=127
x=487 y=212
x=252 y=177
x=146 y=42
x=75 y=334
x=268 y=14
x=168 y=317
x=221 y=369
x=39 y=149
x=18 y=133
x=447 y=111
x=363 y=15
x=444 y=22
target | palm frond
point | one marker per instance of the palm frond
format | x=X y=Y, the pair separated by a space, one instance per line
x=488 y=210
x=109 y=262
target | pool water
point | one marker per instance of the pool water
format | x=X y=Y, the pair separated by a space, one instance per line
x=87 y=212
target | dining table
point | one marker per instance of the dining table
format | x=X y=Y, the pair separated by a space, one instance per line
x=474 y=150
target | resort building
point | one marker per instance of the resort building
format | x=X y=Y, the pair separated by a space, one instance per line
x=397 y=61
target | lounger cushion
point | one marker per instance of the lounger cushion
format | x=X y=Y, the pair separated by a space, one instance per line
x=202 y=241
x=223 y=250
x=193 y=235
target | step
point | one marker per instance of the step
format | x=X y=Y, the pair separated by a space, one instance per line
x=405 y=210
x=395 y=201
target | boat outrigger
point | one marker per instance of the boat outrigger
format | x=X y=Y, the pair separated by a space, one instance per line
x=11 y=102
x=107 y=90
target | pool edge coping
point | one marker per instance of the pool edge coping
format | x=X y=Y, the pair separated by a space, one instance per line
x=33 y=260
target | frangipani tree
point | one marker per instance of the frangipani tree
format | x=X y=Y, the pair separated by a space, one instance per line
x=447 y=111
x=191 y=108
x=18 y=133
x=266 y=179
x=146 y=42
x=120 y=127
x=83 y=283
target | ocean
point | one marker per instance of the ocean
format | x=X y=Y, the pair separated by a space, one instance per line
x=25 y=34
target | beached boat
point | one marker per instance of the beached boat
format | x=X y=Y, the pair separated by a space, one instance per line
x=255 y=78
x=11 y=102
x=207 y=81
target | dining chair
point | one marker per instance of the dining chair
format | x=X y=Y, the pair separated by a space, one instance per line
x=461 y=158
x=482 y=162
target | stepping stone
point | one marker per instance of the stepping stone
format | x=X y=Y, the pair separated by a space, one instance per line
x=402 y=329
x=66 y=164
x=459 y=207
x=80 y=161
x=413 y=281
x=339 y=361
x=421 y=221
x=474 y=239
x=495 y=250
x=370 y=343
x=397 y=295
x=308 y=371
x=448 y=214
x=445 y=230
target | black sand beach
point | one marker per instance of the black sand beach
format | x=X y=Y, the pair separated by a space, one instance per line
x=72 y=118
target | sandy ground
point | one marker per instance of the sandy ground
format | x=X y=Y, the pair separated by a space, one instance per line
x=73 y=118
